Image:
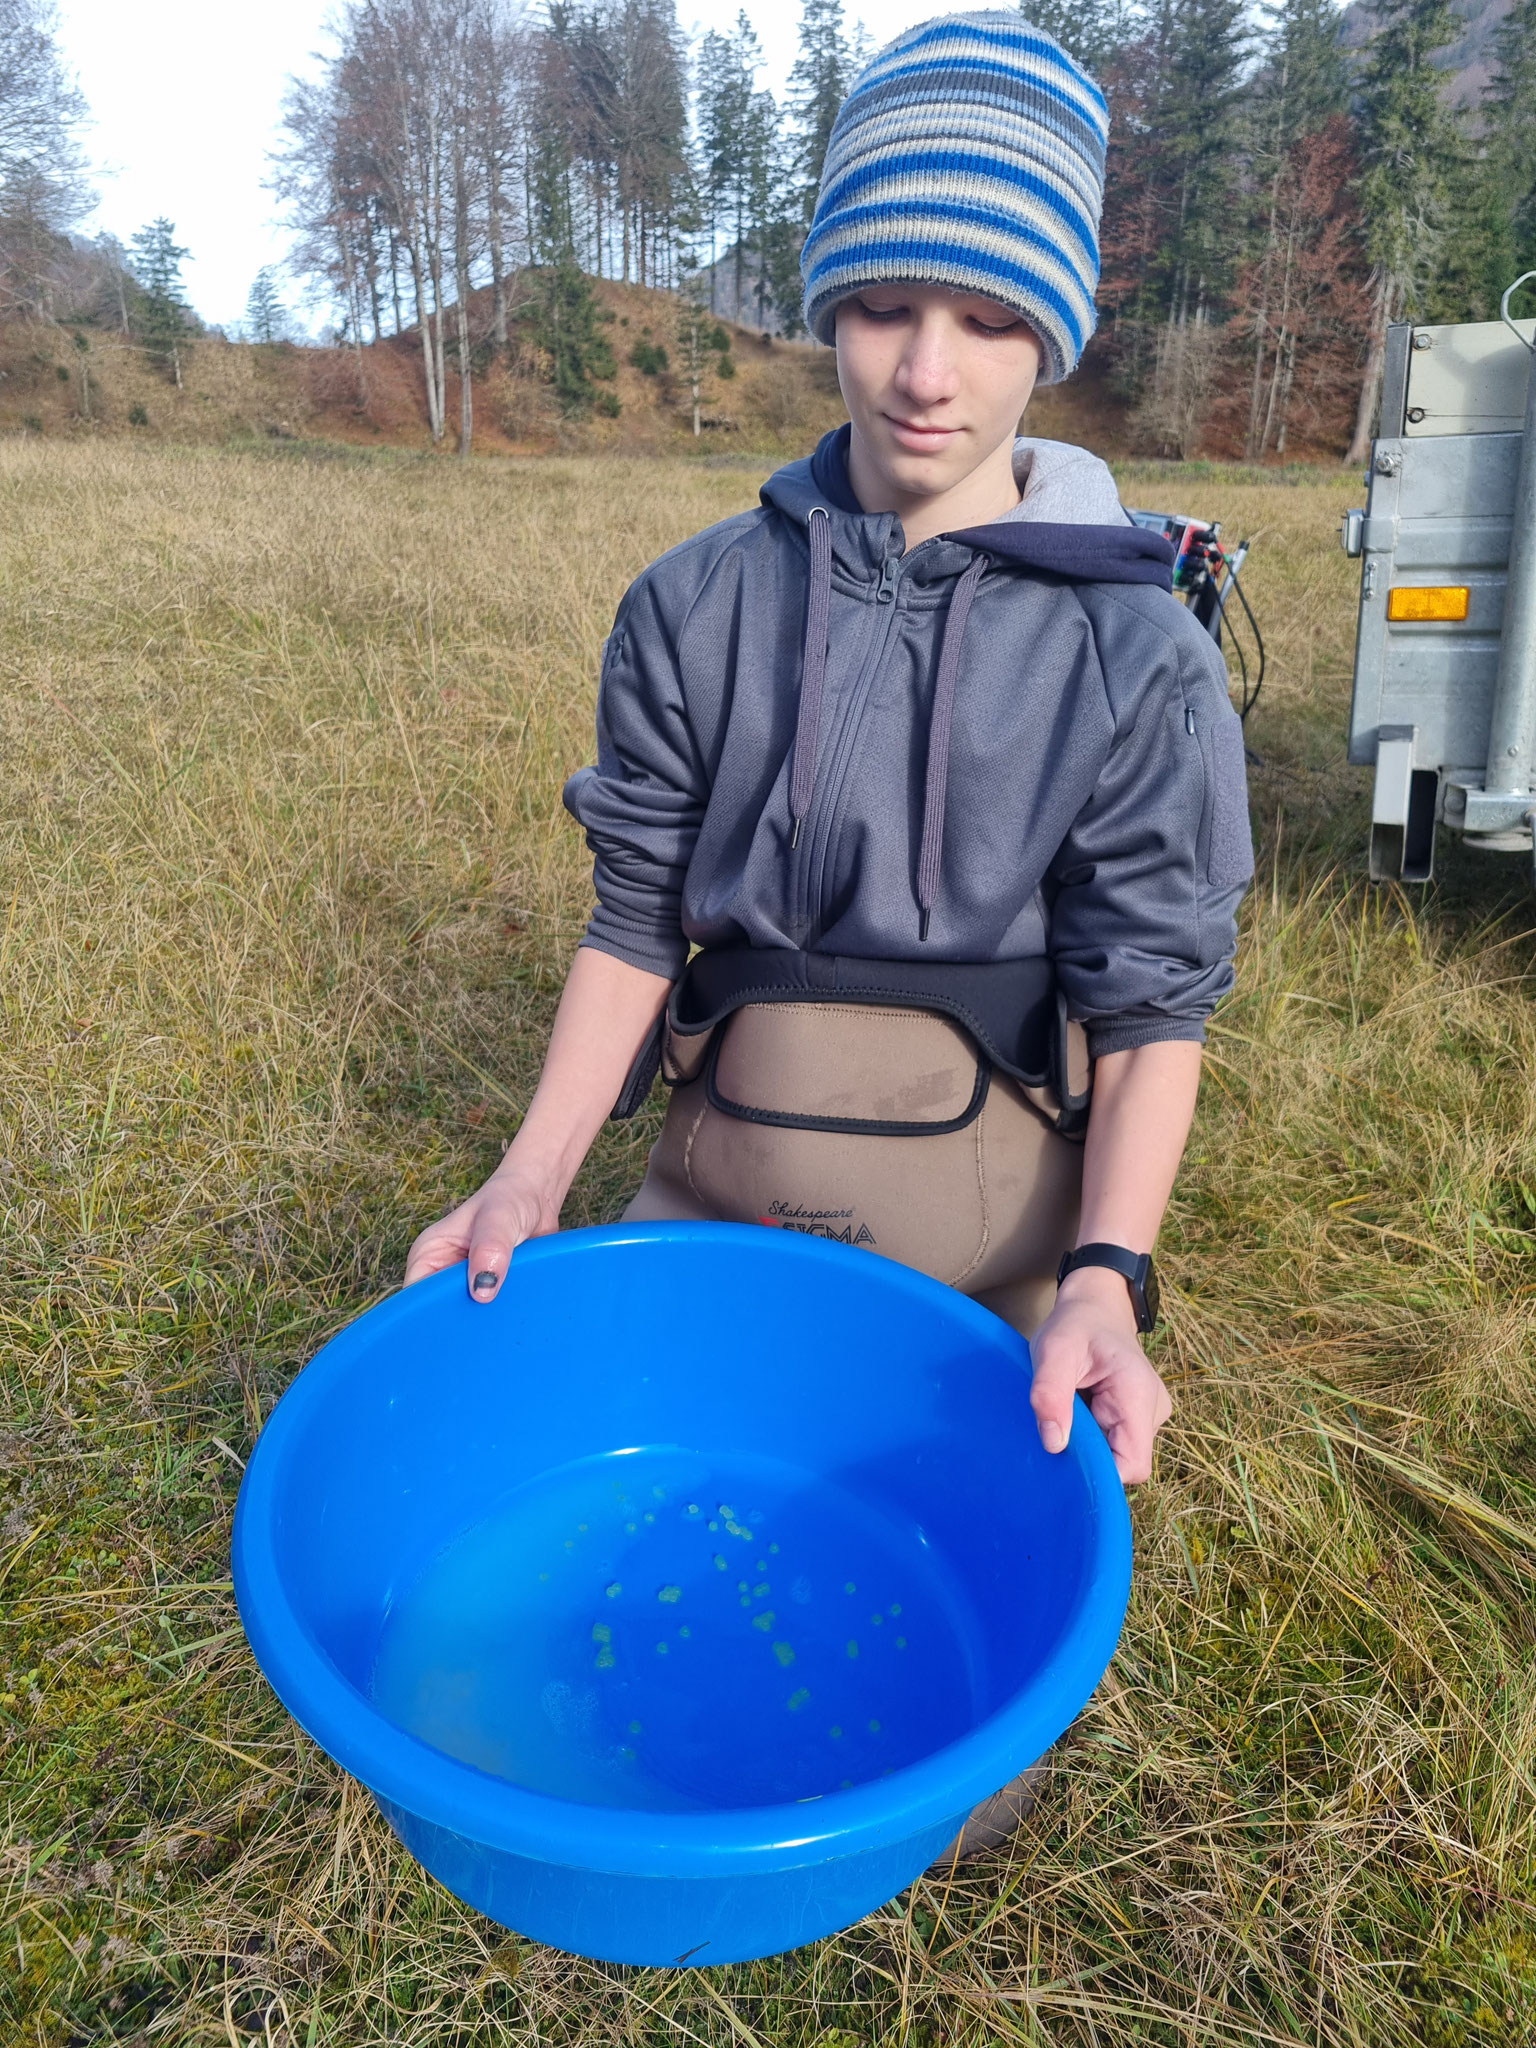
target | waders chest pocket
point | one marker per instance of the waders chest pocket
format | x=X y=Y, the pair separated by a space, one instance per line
x=846 y=1068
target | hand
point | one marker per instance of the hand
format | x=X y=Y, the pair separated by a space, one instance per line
x=1088 y=1344
x=511 y=1207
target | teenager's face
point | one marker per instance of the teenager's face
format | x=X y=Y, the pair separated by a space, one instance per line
x=934 y=380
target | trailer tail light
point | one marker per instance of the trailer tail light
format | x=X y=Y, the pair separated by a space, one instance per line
x=1431 y=604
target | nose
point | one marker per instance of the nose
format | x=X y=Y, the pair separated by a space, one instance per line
x=927 y=374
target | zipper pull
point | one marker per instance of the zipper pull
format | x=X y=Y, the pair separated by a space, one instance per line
x=890 y=572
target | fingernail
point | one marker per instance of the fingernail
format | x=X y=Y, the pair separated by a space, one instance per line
x=1053 y=1436
x=485 y=1283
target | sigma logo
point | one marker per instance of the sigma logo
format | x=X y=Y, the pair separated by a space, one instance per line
x=838 y=1226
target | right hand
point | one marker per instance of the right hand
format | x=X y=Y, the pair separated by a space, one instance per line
x=485 y=1230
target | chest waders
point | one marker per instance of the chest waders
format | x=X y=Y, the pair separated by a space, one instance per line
x=932 y=1113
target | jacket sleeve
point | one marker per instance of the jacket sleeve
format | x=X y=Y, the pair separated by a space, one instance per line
x=643 y=803
x=1149 y=878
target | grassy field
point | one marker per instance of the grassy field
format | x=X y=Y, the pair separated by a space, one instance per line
x=287 y=900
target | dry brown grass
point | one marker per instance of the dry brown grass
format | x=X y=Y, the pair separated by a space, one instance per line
x=288 y=896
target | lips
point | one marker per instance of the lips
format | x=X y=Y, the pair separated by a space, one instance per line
x=919 y=439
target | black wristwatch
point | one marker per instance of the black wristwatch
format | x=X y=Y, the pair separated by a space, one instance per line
x=1136 y=1267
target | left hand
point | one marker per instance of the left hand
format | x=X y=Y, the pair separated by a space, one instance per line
x=1088 y=1344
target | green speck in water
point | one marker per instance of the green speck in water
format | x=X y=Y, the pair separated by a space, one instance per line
x=614 y=1590
x=853 y=1649
x=649 y=1517
x=543 y=1578
x=761 y=1592
x=601 y=1632
x=764 y=1621
x=725 y=1513
x=581 y=1528
x=627 y=1753
x=894 y=1609
x=686 y=1634
x=669 y=1594
x=661 y=1649
x=762 y=1564
x=741 y=1585
x=850 y=1587
x=901 y=1642
x=570 y=1542
x=634 y=1727
x=773 y=1551
x=836 y=1734
x=877 y=1620
x=784 y=1653
x=714 y=1525
x=797 y=1700
x=629 y=1528
x=720 y=1563
x=658 y=1493
x=605 y=1659
x=745 y=1600
x=874 y=1727
x=692 y=1508
x=846 y=1785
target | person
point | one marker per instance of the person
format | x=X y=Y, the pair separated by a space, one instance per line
x=919 y=814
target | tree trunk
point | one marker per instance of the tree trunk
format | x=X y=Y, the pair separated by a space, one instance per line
x=466 y=378
x=1370 y=383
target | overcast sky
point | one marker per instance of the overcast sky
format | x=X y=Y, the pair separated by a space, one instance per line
x=185 y=96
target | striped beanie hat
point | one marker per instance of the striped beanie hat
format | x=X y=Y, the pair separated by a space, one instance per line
x=970 y=153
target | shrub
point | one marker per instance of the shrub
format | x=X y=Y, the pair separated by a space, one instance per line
x=601 y=360
x=649 y=357
x=726 y=367
x=31 y=423
x=138 y=416
x=607 y=403
x=61 y=373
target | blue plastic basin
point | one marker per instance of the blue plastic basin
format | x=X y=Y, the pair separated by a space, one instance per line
x=679 y=1605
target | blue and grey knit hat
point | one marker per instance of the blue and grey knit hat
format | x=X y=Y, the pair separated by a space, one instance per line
x=970 y=153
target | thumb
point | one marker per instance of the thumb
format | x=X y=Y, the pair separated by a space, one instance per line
x=1053 y=1393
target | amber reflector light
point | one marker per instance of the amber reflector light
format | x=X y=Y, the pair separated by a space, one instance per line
x=1433 y=603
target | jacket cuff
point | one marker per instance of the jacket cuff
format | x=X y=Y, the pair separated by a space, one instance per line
x=1125 y=1034
x=655 y=953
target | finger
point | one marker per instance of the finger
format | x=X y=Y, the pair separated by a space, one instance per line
x=1131 y=1419
x=1057 y=1370
x=432 y=1251
x=490 y=1254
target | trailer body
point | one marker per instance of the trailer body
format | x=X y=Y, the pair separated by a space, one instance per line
x=1445 y=661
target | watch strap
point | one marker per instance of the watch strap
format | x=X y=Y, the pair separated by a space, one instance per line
x=1135 y=1268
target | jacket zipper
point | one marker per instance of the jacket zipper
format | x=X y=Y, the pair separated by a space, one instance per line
x=828 y=789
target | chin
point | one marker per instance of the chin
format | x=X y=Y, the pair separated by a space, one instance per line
x=924 y=474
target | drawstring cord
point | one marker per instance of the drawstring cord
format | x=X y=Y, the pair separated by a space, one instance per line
x=818 y=612
x=936 y=788
x=802 y=776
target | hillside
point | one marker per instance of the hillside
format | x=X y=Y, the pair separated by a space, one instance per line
x=1470 y=59
x=782 y=395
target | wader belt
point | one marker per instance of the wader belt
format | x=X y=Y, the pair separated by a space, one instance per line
x=1011 y=1010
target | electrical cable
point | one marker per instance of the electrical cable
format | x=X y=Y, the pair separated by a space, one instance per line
x=1250 y=696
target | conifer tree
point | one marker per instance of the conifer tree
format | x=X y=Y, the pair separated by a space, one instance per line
x=265 y=317
x=818 y=85
x=1409 y=150
x=1510 y=109
x=163 y=319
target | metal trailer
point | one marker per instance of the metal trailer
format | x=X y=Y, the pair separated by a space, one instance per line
x=1445 y=657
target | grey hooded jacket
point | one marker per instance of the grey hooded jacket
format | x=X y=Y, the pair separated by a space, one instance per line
x=1012 y=741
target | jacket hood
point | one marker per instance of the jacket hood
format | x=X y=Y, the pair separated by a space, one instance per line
x=1050 y=473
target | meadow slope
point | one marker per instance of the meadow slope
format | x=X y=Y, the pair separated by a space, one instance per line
x=288 y=895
